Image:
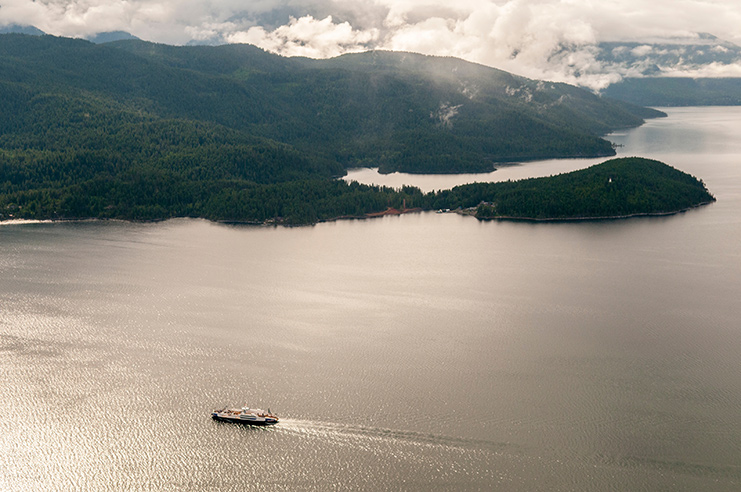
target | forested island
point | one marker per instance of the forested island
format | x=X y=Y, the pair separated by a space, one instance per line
x=140 y=131
x=616 y=188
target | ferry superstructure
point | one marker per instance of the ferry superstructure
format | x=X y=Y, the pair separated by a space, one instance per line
x=245 y=415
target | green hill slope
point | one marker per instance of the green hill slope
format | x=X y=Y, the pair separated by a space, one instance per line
x=616 y=188
x=397 y=111
x=136 y=130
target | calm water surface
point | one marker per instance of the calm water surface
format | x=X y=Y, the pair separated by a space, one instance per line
x=426 y=351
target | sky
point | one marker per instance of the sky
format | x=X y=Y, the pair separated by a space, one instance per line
x=543 y=39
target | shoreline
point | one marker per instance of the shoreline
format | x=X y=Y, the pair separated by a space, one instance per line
x=372 y=215
x=9 y=222
x=585 y=218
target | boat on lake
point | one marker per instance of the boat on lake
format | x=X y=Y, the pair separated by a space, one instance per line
x=245 y=415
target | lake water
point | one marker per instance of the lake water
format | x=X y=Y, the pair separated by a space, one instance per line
x=417 y=352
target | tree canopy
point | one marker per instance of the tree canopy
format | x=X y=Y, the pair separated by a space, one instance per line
x=142 y=131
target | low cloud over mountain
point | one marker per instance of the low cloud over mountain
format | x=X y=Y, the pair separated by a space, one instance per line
x=579 y=41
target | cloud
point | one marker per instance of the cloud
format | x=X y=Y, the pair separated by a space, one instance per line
x=556 y=39
x=546 y=39
x=710 y=70
x=308 y=37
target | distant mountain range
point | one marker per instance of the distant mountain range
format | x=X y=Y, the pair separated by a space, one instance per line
x=701 y=56
x=109 y=37
x=677 y=91
x=19 y=29
x=696 y=71
x=98 y=38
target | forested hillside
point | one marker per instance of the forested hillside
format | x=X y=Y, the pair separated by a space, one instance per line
x=136 y=130
x=394 y=110
x=616 y=188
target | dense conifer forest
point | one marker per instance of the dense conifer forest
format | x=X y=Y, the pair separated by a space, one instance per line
x=140 y=131
x=616 y=188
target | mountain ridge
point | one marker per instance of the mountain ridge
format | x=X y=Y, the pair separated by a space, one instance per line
x=344 y=109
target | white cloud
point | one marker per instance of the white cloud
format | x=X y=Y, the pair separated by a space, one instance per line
x=307 y=37
x=710 y=70
x=642 y=50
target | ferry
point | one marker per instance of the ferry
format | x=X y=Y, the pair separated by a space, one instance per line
x=245 y=415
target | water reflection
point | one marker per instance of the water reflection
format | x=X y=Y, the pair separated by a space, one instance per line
x=412 y=352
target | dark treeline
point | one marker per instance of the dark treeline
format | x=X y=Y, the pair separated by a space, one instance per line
x=615 y=188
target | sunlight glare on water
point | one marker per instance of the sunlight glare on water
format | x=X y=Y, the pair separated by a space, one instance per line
x=413 y=352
